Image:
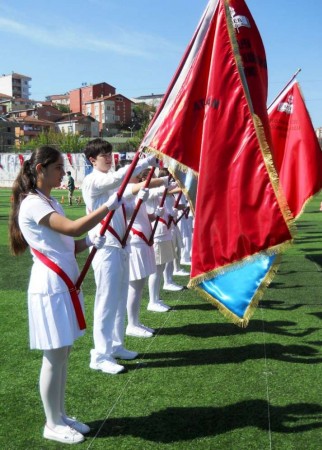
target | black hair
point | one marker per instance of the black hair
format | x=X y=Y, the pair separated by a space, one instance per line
x=25 y=183
x=96 y=147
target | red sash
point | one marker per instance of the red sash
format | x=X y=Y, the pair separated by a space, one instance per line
x=111 y=230
x=71 y=286
x=142 y=236
x=163 y=221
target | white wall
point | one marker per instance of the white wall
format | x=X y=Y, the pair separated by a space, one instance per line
x=11 y=163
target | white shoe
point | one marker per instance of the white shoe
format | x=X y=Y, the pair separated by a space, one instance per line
x=172 y=287
x=158 y=307
x=152 y=330
x=123 y=353
x=66 y=434
x=138 y=332
x=164 y=305
x=185 y=263
x=181 y=273
x=78 y=426
x=107 y=366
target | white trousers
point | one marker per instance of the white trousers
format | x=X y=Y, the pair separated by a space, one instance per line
x=185 y=226
x=111 y=271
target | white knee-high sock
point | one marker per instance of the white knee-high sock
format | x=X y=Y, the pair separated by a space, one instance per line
x=155 y=284
x=134 y=297
x=176 y=265
x=51 y=384
x=168 y=272
x=63 y=385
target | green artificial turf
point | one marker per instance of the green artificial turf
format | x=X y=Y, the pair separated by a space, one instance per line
x=200 y=383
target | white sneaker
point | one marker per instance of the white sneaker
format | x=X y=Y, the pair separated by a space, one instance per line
x=158 y=307
x=185 y=263
x=107 y=366
x=164 y=305
x=138 y=332
x=181 y=273
x=172 y=287
x=152 y=330
x=66 y=434
x=78 y=426
x=123 y=353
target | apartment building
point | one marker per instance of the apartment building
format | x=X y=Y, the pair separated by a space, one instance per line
x=112 y=111
x=77 y=123
x=151 y=100
x=7 y=134
x=78 y=97
x=31 y=122
x=15 y=85
x=59 y=99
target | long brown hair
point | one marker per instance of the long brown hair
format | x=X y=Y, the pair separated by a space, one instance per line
x=25 y=183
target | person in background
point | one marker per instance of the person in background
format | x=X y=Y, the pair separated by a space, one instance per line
x=185 y=226
x=70 y=187
x=142 y=258
x=171 y=211
x=163 y=245
x=55 y=308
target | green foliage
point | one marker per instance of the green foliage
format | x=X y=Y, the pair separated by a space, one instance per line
x=67 y=143
x=142 y=115
x=63 y=108
x=200 y=383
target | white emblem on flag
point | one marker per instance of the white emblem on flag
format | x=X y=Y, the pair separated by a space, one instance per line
x=238 y=21
x=287 y=106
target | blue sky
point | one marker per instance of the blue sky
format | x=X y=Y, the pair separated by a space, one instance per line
x=136 y=45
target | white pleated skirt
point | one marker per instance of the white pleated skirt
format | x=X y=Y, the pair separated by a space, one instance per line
x=52 y=321
x=142 y=261
x=164 y=252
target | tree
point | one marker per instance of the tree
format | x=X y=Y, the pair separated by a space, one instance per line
x=67 y=143
x=142 y=115
x=63 y=108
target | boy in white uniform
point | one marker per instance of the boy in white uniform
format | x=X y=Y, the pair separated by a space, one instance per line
x=111 y=263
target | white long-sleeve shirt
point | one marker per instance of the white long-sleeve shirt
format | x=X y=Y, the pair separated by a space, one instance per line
x=96 y=189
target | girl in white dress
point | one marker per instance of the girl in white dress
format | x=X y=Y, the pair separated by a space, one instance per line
x=55 y=309
x=142 y=258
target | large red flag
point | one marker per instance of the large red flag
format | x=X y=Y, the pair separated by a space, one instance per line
x=213 y=125
x=296 y=150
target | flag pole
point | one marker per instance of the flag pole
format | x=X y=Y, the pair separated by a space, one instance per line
x=184 y=213
x=108 y=218
x=137 y=207
x=175 y=206
x=284 y=88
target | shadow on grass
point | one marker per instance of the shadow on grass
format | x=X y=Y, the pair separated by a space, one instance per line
x=276 y=285
x=318 y=315
x=197 y=306
x=184 y=424
x=316 y=259
x=299 y=354
x=277 y=305
x=206 y=330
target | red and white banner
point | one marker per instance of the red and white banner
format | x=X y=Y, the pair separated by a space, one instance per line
x=213 y=126
x=296 y=150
